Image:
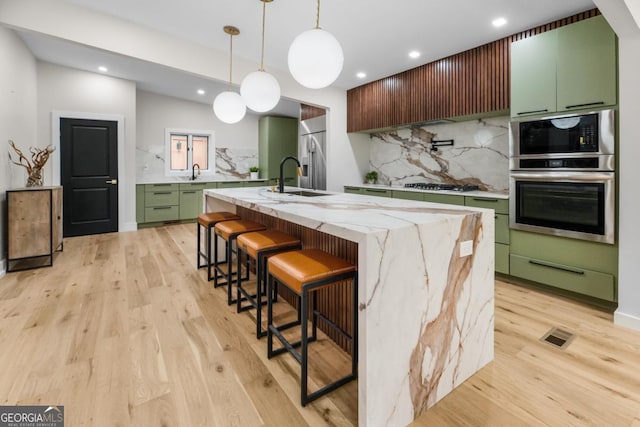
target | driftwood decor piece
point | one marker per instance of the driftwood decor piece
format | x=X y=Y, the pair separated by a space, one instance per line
x=39 y=157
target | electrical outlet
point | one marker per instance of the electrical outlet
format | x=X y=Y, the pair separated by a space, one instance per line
x=466 y=248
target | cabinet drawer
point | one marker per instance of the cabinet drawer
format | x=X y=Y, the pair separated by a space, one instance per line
x=161 y=213
x=502 y=228
x=501 y=206
x=162 y=187
x=408 y=195
x=449 y=199
x=254 y=183
x=502 y=258
x=194 y=185
x=353 y=190
x=579 y=280
x=161 y=198
x=376 y=192
x=229 y=184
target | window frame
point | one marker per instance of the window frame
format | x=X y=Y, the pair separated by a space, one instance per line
x=190 y=133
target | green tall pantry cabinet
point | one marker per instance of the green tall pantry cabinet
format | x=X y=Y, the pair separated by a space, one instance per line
x=277 y=138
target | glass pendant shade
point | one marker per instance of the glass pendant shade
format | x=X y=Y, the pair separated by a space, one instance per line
x=260 y=90
x=315 y=58
x=229 y=107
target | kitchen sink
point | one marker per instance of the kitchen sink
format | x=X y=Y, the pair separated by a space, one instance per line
x=306 y=193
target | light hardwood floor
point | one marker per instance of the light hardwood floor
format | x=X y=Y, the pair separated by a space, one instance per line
x=124 y=331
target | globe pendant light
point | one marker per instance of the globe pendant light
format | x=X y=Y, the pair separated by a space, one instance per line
x=229 y=106
x=260 y=90
x=315 y=57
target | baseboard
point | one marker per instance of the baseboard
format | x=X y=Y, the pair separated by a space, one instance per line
x=128 y=226
x=626 y=320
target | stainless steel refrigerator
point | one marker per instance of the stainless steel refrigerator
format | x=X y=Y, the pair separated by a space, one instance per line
x=312 y=148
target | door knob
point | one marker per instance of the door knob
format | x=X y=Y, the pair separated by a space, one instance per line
x=112 y=181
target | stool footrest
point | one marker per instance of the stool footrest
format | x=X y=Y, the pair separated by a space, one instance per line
x=333 y=325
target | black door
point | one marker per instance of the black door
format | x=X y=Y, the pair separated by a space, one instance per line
x=89 y=169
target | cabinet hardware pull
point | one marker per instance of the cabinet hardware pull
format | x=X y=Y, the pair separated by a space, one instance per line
x=188 y=192
x=485 y=200
x=162 y=192
x=533 y=111
x=161 y=185
x=585 y=105
x=158 y=208
x=557 y=267
x=375 y=191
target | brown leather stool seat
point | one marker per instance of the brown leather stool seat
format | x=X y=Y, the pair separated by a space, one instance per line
x=229 y=231
x=304 y=272
x=209 y=220
x=260 y=245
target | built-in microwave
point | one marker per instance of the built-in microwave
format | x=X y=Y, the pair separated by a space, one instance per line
x=571 y=204
x=584 y=141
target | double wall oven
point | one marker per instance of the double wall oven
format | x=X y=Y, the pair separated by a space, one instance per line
x=562 y=176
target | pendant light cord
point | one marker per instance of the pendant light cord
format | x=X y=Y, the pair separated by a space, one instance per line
x=230 y=58
x=318 y=16
x=264 y=8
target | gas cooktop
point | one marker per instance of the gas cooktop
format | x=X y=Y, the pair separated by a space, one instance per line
x=437 y=186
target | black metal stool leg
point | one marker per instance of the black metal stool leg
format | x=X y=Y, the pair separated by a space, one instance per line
x=304 y=344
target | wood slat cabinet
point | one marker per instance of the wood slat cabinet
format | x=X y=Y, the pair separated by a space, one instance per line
x=34 y=232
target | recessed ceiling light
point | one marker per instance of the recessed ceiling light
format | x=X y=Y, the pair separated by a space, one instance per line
x=201 y=92
x=499 y=22
x=361 y=75
x=414 y=54
x=103 y=69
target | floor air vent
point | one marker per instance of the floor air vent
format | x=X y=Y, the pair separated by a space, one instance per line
x=558 y=338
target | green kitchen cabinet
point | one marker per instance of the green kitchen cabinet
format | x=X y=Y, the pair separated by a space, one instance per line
x=190 y=204
x=586 y=67
x=407 y=195
x=533 y=74
x=352 y=190
x=229 y=184
x=501 y=206
x=380 y=192
x=277 y=138
x=140 y=203
x=254 y=183
x=450 y=199
x=502 y=258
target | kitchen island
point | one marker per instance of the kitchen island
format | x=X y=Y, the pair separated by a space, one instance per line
x=425 y=296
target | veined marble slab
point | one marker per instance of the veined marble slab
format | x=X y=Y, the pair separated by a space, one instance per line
x=425 y=308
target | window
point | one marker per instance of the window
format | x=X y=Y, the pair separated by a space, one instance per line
x=186 y=148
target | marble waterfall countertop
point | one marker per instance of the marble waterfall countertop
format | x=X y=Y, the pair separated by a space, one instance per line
x=426 y=299
x=487 y=194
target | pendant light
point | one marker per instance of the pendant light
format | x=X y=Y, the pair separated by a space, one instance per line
x=315 y=57
x=229 y=106
x=260 y=90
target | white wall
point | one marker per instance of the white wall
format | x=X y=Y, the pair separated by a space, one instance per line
x=66 y=21
x=65 y=89
x=157 y=112
x=622 y=21
x=18 y=97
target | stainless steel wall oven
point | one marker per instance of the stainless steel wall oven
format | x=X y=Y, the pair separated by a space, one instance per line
x=562 y=179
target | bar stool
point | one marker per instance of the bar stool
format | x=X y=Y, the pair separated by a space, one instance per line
x=304 y=272
x=229 y=231
x=260 y=245
x=209 y=220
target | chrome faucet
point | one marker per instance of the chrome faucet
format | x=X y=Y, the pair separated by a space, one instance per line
x=193 y=171
x=282 y=162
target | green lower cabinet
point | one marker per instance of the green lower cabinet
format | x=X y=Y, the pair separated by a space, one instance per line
x=140 y=203
x=379 y=192
x=161 y=198
x=254 y=183
x=161 y=213
x=353 y=190
x=501 y=206
x=502 y=229
x=190 y=204
x=407 y=195
x=229 y=184
x=580 y=280
x=502 y=258
x=449 y=199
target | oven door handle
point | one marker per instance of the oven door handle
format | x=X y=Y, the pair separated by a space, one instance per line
x=557 y=267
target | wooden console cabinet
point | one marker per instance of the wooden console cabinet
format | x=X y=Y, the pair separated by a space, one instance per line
x=34 y=227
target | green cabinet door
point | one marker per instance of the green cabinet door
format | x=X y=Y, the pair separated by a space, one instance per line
x=229 y=184
x=140 y=203
x=449 y=199
x=408 y=195
x=190 y=203
x=376 y=192
x=586 y=68
x=352 y=190
x=277 y=138
x=533 y=75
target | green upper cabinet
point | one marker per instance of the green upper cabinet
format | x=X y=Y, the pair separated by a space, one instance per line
x=571 y=68
x=533 y=75
x=277 y=138
x=586 y=70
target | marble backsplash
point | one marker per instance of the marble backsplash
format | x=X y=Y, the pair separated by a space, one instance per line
x=479 y=155
x=231 y=164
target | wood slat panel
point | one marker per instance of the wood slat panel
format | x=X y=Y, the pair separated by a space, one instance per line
x=472 y=82
x=335 y=302
x=309 y=112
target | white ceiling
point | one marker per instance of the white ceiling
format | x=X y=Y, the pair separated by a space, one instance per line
x=376 y=36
